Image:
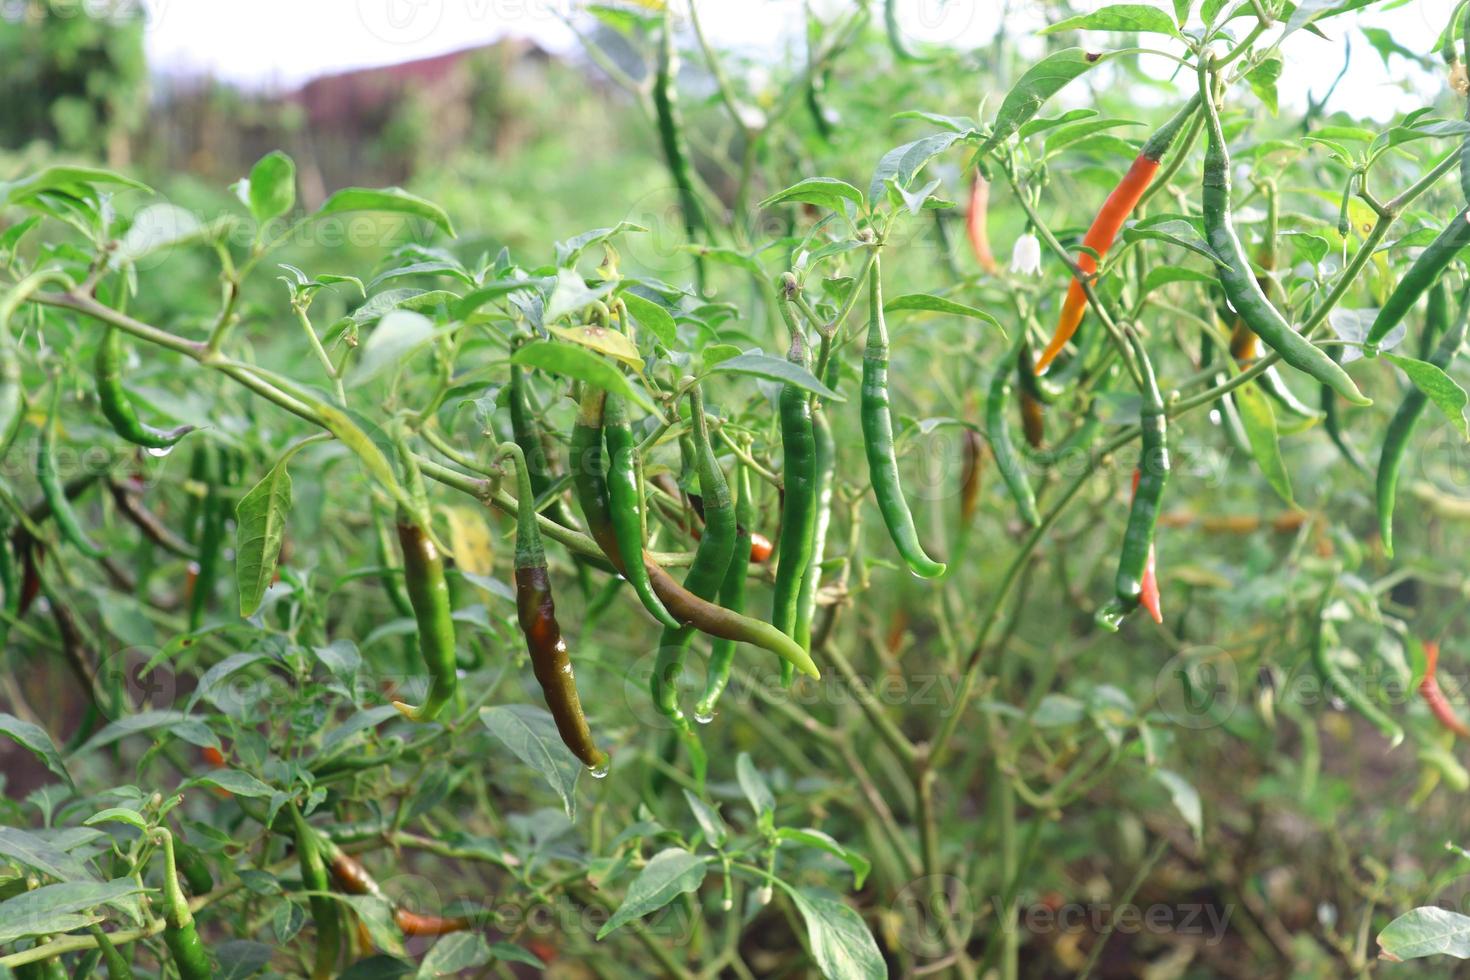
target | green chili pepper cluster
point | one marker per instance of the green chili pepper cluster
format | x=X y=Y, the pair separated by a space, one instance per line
x=799 y=484
x=731 y=597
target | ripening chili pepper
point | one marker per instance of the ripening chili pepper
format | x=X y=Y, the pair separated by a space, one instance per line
x=1007 y=460
x=349 y=872
x=671 y=135
x=711 y=561
x=1234 y=271
x=824 y=459
x=761 y=547
x=974 y=462
x=179 y=934
x=428 y=594
x=877 y=419
x=118 y=407
x=799 y=482
x=977 y=223
x=324 y=912
x=536 y=612
x=1148 y=592
x=1425 y=271
x=1105 y=227
x=590 y=485
x=51 y=487
x=1334 y=681
x=419 y=924
x=731 y=596
x=1401 y=428
x=1033 y=419
x=1136 y=559
x=1434 y=696
x=625 y=501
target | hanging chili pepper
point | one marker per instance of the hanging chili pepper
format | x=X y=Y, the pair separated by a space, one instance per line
x=760 y=545
x=1401 y=428
x=626 y=505
x=389 y=574
x=1436 y=318
x=977 y=223
x=799 y=481
x=529 y=437
x=419 y=924
x=974 y=462
x=1434 y=696
x=1047 y=388
x=731 y=596
x=1245 y=349
x=1007 y=460
x=590 y=485
x=192 y=864
x=1332 y=422
x=12 y=390
x=1425 y=271
x=118 y=407
x=711 y=560
x=179 y=933
x=1135 y=564
x=1334 y=681
x=428 y=594
x=1234 y=271
x=314 y=879
x=1107 y=224
x=50 y=480
x=877 y=419
x=825 y=461
x=118 y=967
x=536 y=611
x=671 y=136
x=896 y=40
x=214 y=520
x=354 y=879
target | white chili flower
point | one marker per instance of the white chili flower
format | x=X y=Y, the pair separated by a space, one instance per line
x=1026 y=256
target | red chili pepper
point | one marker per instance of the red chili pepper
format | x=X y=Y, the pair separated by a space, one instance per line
x=415 y=924
x=1429 y=689
x=976 y=224
x=1149 y=595
x=213 y=756
x=760 y=547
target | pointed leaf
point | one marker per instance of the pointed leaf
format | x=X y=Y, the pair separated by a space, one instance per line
x=272 y=186
x=668 y=874
x=1259 y=422
x=1040 y=82
x=395 y=200
x=1439 y=387
x=776 y=369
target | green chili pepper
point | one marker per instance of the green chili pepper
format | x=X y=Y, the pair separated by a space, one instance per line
x=732 y=597
x=1007 y=460
x=179 y=934
x=12 y=390
x=536 y=612
x=590 y=484
x=825 y=461
x=529 y=437
x=118 y=407
x=626 y=503
x=315 y=878
x=1048 y=388
x=799 y=482
x=428 y=593
x=216 y=512
x=389 y=574
x=51 y=486
x=1332 y=422
x=194 y=868
x=1234 y=270
x=118 y=967
x=877 y=419
x=1143 y=515
x=671 y=135
x=1334 y=681
x=1436 y=317
x=896 y=40
x=711 y=560
x=1401 y=429
x=1425 y=271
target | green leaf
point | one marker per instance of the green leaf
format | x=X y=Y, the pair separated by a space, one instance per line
x=531 y=734
x=34 y=739
x=757 y=793
x=568 y=252
x=68 y=179
x=1163 y=275
x=574 y=361
x=1311 y=11
x=117 y=814
x=143 y=721
x=839 y=939
x=811 y=837
x=1040 y=82
x=1174 y=229
x=653 y=318
x=260 y=527
x=234 y=781
x=272 y=187
x=1263 y=79
x=1439 y=387
x=453 y=954
x=511 y=953
x=395 y=200
x=928 y=303
x=824 y=192
x=47 y=910
x=1186 y=800
x=398 y=334
x=667 y=875
x=708 y=818
x=377 y=916
x=158 y=227
x=1129 y=17
x=1426 y=931
x=776 y=369
x=34 y=851
x=901 y=163
x=1259 y=422
x=472 y=301
x=1181 y=11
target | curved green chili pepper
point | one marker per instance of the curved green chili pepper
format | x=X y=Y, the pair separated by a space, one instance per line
x=825 y=461
x=383 y=544
x=711 y=560
x=1007 y=460
x=1334 y=681
x=315 y=878
x=877 y=419
x=590 y=484
x=1143 y=515
x=626 y=503
x=671 y=135
x=51 y=486
x=179 y=934
x=896 y=40
x=1234 y=270
x=1401 y=429
x=799 y=482
x=536 y=613
x=428 y=594
x=118 y=967
x=732 y=597
x=1050 y=387
x=1425 y=271
x=118 y=407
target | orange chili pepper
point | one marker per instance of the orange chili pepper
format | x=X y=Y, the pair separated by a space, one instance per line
x=1434 y=697
x=976 y=225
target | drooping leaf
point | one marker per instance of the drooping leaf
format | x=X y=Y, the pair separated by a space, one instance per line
x=572 y=361
x=530 y=733
x=839 y=939
x=1439 y=387
x=1259 y=422
x=34 y=739
x=824 y=192
x=260 y=527
x=394 y=200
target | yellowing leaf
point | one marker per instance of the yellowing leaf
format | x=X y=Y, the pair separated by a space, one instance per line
x=604 y=341
x=470 y=540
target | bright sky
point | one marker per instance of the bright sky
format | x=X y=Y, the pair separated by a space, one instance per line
x=280 y=43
